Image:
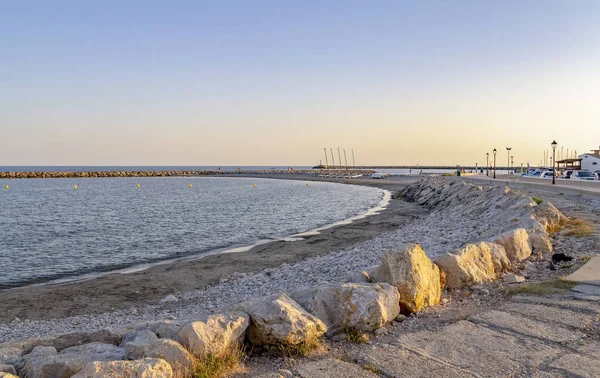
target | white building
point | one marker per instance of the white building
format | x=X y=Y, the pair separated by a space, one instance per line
x=591 y=161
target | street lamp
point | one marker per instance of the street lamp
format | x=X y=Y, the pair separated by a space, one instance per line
x=487 y=164
x=495 y=151
x=554 y=145
x=508 y=158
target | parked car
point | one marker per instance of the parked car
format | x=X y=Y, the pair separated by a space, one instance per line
x=584 y=176
x=546 y=174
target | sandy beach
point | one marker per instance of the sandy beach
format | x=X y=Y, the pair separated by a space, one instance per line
x=123 y=290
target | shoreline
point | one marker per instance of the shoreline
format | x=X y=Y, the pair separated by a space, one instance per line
x=114 y=291
x=137 y=268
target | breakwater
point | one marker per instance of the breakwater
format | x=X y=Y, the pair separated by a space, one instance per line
x=167 y=173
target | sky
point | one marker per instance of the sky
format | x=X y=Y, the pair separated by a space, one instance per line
x=274 y=82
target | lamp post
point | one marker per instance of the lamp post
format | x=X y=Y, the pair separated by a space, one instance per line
x=554 y=145
x=508 y=158
x=495 y=151
x=487 y=164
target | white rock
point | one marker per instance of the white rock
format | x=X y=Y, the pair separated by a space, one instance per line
x=279 y=320
x=70 y=360
x=413 y=274
x=169 y=299
x=513 y=278
x=362 y=306
x=214 y=334
x=146 y=368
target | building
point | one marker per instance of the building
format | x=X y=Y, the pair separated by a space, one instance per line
x=591 y=161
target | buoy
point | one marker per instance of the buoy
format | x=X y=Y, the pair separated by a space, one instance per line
x=191 y=186
x=6 y=187
x=75 y=187
x=139 y=186
x=255 y=185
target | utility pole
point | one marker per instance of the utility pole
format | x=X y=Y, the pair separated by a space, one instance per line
x=508 y=157
x=340 y=157
x=353 y=162
x=346 y=160
x=332 y=159
x=326 y=162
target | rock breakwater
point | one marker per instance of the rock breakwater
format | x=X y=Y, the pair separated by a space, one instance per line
x=167 y=173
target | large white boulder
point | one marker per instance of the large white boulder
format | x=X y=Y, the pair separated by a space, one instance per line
x=145 y=344
x=70 y=360
x=279 y=320
x=36 y=352
x=516 y=243
x=215 y=334
x=351 y=305
x=473 y=264
x=146 y=368
x=413 y=274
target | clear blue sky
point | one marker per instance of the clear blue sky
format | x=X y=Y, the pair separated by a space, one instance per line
x=273 y=82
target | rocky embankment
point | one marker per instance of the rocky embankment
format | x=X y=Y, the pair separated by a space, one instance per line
x=486 y=234
x=169 y=173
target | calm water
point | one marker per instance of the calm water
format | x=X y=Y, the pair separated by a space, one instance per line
x=49 y=230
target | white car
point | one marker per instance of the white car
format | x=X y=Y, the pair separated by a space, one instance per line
x=547 y=174
x=584 y=176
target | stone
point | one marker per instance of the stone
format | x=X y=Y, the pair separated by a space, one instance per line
x=331 y=367
x=71 y=360
x=169 y=299
x=577 y=365
x=168 y=329
x=513 y=278
x=80 y=338
x=138 y=337
x=516 y=243
x=7 y=375
x=365 y=307
x=414 y=275
x=393 y=361
x=339 y=337
x=146 y=368
x=549 y=216
x=169 y=350
x=479 y=351
x=9 y=353
x=36 y=352
x=279 y=320
x=4 y=368
x=215 y=334
x=470 y=265
x=523 y=325
x=285 y=373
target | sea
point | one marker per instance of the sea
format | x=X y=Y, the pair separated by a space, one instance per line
x=56 y=230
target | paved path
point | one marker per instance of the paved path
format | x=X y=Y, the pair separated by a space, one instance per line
x=552 y=336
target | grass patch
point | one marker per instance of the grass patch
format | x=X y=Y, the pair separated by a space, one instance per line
x=543 y=288
x=537 y=200
x=220 y=366
x=373 y=369
x=303 y=349
x=354 y=335
x=578 y=228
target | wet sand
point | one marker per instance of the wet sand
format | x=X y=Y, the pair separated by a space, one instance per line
x=124 y=290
